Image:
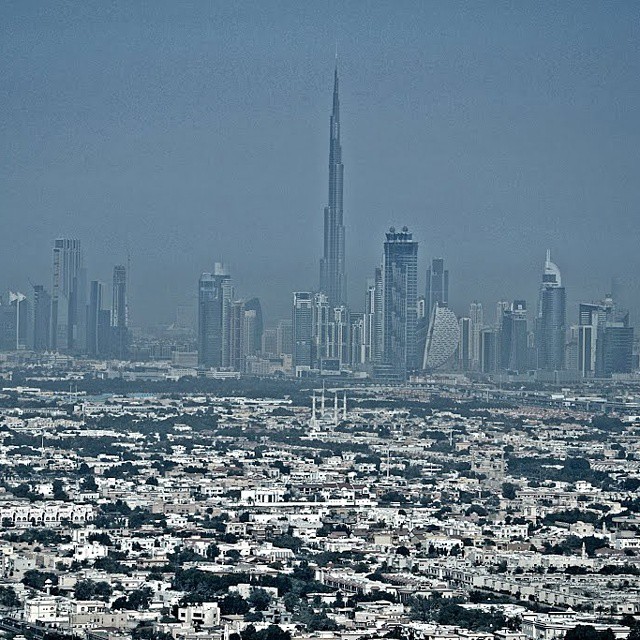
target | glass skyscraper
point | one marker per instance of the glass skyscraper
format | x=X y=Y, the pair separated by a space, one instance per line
x=68 y=296
x=400 y=297
x=551 y=319
x=214 y=300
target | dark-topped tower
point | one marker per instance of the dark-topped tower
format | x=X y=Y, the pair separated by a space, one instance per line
x=332 y=264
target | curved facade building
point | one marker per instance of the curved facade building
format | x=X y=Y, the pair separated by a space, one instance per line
x=442 y=338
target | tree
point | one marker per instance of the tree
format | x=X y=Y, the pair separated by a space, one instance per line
x=138 y=600
x=101 y=538
x=233 y=604
x=588 y=632
x=84 y=590
x=260 y=599
x=509 y=490
x=213 y=551
x=37 y=579
x=9 y=598
x=58 y=491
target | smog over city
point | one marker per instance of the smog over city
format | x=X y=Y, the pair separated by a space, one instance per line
x=317 y=320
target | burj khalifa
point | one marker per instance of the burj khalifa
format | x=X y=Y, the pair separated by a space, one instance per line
x=332 y=264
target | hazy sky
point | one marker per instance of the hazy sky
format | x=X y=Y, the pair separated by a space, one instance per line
x=191 y=132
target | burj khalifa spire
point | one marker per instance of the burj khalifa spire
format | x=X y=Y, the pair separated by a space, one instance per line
x=332 y=264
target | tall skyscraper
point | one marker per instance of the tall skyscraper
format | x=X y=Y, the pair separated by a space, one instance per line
x=214 y=322
x=400 y=291
x=513 y=348
x=245 y=332
x=253 y=326
x=442 y=338
x=502 y=306
x=284 y=337
x=464 y=346
x=120 y=314
x=489 y=350
x=95 y=347
x=437 y=292
x=605 y=340
x=15 y=317
x=320 y=329
x=237 y=335
x=68 y=296
x=41 y=318
x=269 y=342
x=339 y=347
x=589 y=317
x=332 y=264
x=477 y=324
x=371 y=348
x=551 y=319
x=302 y=330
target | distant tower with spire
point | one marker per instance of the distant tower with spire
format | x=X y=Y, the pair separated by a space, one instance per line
x=551 y=324
x=332 y=264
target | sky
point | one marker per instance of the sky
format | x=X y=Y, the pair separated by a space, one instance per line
x=185 y=133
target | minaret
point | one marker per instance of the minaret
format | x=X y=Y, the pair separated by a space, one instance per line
x=332 y=264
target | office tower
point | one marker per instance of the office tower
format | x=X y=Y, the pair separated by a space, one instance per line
x=589 y=317
x=605 y=340
x=237 y=335
x=214 y=301
x=68 y=294
x=513 y=338
x=41 y=318
x=360 y=347
x=270 y=341
x=245 y=332
x=378 y=316
x=400 y=296
x=501 y=307
x=571 y=349
x=253 y=326
x=320 y=329
x=284 y=331
x=477 y=324
x=442 y=338
x=7 y=326
x=617 y=350
x=551 y=319
x=14 y=322
x=464 y=346
x=372 y=321
x=437 y=292
x=120 y=314
x=332 y=265
x=302 y=322
x=209 y=322
x=488 y=351
x=95 y=346
x=339 y=347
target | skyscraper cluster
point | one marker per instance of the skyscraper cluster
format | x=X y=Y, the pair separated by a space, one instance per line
x=396 y=333
x=72 y=317
x=400 y=333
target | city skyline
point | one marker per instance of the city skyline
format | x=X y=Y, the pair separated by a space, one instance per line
x=414 y=156
x=260 y=387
